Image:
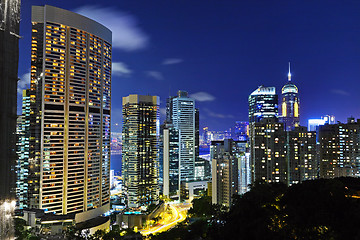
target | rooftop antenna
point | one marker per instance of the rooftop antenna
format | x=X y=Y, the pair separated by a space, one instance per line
x=289 y=74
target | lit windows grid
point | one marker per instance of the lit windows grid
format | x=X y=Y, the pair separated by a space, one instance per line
x=140 y=152
x=66 y=81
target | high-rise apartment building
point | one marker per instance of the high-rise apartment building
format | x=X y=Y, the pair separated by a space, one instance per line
x=339 y=149
x=70 y=94
x=225 y=157
x=282 y=156
x=263 y=104
x=182 y=114
x=140 y=152
x=301 y=153
x=290 y=105
x=268 y=152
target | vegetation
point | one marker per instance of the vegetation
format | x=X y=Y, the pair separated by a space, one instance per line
x=21 y=233
x=318 y=209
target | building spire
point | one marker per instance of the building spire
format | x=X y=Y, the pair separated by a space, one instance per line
x=289 y=74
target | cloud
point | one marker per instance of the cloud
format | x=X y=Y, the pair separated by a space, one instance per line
x=24 y=82
x=340 y=92
x=217 y=115
x=170 y=61
x=162 y=111
x=155 y=74
x=121 y=69
x=126 y=34
x=202 y=97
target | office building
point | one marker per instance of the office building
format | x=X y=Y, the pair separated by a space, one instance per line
x=290 y=105
x=225 y=157
x=313 y=124
x=205 y=138
x=169 y=155
x=22 y=166
x=328 y=119
x=263 y=104
x=9 y=52
x=140 y=152
x=202 y=169
x=244 y=172
x=9 y=57
x=182 y=114
x=70 y=93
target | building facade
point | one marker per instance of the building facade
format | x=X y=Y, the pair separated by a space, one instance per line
x=290 y=105
x=283 y=156
x=263 y=104
x=301 y=150
x=70 y=96
x=340 y=149
x=140 y=149
x=225 y=157
x=22 y=166
x=183 y=118
x=9 y=52
x=170 y=158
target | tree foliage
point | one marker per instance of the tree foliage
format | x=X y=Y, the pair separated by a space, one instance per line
x=317 y=209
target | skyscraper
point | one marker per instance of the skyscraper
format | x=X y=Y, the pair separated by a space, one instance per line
x=301 y=155
x=183 y=118
x=268 y=152
x=22 y=166
x=290 y=105
x=283 y=156
x=263 y=103
x=340 y=149
x=170 y=157
x=140 y=153
x=70 y=93
x=9 y=56
x=225 y=157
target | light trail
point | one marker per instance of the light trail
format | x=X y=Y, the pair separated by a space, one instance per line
x=177 y=216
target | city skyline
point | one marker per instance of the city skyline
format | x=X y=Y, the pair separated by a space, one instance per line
x=254 y=42
x=100 y=69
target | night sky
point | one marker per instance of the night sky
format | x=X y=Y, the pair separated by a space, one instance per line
x=221 y=51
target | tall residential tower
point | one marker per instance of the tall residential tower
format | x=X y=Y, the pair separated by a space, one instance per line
x=140 y=152
x=70 y=93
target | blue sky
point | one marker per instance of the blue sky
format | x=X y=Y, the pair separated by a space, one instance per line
x=220 y=51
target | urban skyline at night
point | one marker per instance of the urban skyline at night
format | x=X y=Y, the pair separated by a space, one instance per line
x=179 y=120
x=244 y=45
